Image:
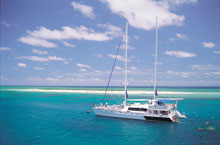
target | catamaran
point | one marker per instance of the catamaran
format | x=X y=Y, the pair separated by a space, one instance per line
x=160 y=109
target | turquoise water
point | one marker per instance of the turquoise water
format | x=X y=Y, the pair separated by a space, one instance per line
x=61 y=119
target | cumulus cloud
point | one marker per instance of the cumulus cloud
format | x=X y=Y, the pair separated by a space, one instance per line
x=82 y=70
x=208 y=44
x=83 y=65
x=21 y=64
x=112 y=30
x=68 y=44
x=119 y=57
x=79 y=33
x=180 y=54
x=118 y=68
x=133 y=68
x=128 y=47
x=43 y=59
x=34 y=79
x=215 y=73
x=204 y=67
x=3 y=77
x=40 y=52
x=37 y=42
x=84 y=9
x=5 y=48
x=142 y=13
x=216 y=52
x=159 y=63
x=38 y=68
x=175 y=3
x=98 y=55
x=182 y=36
x=52 y=79
x=172 y=39
x=181 y=74
x=42 y=35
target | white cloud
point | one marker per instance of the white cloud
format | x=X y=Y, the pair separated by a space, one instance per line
x=79 y=33
x=142 y=13
x=37 y=42
x=180 y=54
x=34 y=58
x=133 y=68
x=52 y=79
x=208 y=44
x=5 y=48
x=159 y=63
x=172 y=39
x=185 y=74
x=40 y=52
x=118 y=68
x=41 y=36
x=216 y=52
x=21 y=64
x=39 y=68
x=181 y=74
x=84 y=9
x=5 y=24
x=179 y=36
x=119 y=57
x=98 y=55
x=215 y=73
x=128 y=47
x=66 y=62
x=83 y=65
x=112 y=30
x=96 y=80
x=34 y=79
x=205 y=67
x=43 y=59
x=182 y=36
x=68 y=44
x=180 y=2
x=3 y=77
x=82 y=70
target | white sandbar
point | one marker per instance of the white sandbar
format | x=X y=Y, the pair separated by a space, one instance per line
x=134 y=92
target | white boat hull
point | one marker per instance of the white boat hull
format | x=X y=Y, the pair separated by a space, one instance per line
x=129 y=115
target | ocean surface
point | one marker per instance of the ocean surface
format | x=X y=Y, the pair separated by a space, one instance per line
x=58 y=116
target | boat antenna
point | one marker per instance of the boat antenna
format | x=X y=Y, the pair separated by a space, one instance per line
x=155 y=73
x=126 y=55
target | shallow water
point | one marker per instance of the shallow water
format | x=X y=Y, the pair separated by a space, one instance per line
x=61 y=118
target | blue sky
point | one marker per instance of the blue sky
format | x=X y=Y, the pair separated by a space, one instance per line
x=70 y=42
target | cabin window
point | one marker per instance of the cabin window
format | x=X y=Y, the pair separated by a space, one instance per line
x=160 y=103
x=137 y=109
x=164 y=112
x=155 y=112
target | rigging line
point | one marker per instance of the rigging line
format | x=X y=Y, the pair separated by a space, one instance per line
x=113 y=66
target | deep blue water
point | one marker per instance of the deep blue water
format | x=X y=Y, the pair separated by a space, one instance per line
x=28 y=118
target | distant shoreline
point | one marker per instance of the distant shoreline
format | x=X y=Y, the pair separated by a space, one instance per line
x=134 y=92
x=212 y=87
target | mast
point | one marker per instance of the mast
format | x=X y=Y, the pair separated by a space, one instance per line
x=155 y=73
x=126 y=55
